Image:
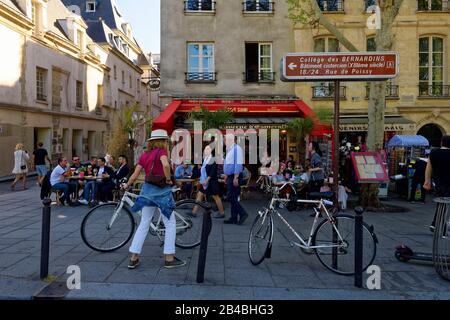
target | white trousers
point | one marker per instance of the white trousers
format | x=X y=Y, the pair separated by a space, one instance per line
x=144 y=226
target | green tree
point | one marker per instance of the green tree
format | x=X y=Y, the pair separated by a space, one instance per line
x=211 y=119
x=124 y=128
x=308 y=12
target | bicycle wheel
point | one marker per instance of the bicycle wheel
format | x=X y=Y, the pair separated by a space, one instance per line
x=441 y=240
x=341 y=259
x=189 y=229
x=261 y=236
x=98 y=233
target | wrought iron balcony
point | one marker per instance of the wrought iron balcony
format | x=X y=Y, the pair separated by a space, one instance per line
x=201 y=77
x=331 y=5
x=259 y=77
x=327 y=91
x=434 y=91
x=392 y=91
x=199 y=6
x=262 y=6
x=433 y=5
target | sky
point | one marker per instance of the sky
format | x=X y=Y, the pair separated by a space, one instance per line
x=144 y=16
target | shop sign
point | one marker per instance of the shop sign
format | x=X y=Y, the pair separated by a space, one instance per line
x=369 y=167
x=387 y=127
x=343 y=66
x=255 y=126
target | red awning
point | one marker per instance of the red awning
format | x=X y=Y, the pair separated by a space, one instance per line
x=270 y=108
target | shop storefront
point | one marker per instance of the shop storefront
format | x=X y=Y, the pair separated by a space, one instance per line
x=353 y=129
x=247 y=114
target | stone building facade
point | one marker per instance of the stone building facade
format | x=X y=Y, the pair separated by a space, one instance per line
x=64 y=80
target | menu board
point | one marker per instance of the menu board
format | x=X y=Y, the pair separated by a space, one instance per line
x=369 y=167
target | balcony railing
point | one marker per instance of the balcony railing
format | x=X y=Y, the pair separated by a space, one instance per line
x=331 y=5
x=258 y=6
x=327 y=91
x=392 y=91
x=433 y=5
x=259 y=77
x=201 y=77
x=434 y=91
x=200 y=6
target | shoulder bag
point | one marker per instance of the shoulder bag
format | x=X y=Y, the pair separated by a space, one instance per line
x=159 y=181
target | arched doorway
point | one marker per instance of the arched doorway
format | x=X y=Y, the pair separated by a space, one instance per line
x=432 y=133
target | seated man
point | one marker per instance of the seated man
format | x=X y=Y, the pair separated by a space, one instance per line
x=123 y=171
x=57 y=181
x=184 y=171
x=103 y=184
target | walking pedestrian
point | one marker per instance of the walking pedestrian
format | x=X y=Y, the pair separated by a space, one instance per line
x=438 y=169
x=233 y=167
x=153 y=196
x=20 y=170
x=40 y=155
x=317 y=176
x=418 y=180
x=209 y=183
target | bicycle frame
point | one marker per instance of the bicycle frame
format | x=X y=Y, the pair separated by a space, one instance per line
x=129 y=199
x=320 y=207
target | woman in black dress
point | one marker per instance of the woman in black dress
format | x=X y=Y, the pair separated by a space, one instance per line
x=209 y=182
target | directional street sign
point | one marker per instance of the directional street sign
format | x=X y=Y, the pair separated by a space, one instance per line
x=328 y=66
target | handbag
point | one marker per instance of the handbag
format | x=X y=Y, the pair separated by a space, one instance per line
x=159 y=181
x=24 y=167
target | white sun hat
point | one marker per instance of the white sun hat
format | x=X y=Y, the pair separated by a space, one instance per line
x=159 y=135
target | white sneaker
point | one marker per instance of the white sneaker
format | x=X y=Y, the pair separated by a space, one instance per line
x=83 y=201
x=101 y=202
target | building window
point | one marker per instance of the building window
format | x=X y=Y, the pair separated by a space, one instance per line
x=200 y=62
x=369 y=3
x=80 y=39
x=325 y=90
x=431 y=67
x=331 y=5
x=326 y=44
x=100 y=100
x=115 y=72
x=258 y=63
x=371 y=44
x=200 y=5
x=258 y=6
x=433 y=5
x=79 y=95
x=138 y=86
x=123 y=77
x=41 y=84
x=131 y=83
x=33 y=12
x=91 y=6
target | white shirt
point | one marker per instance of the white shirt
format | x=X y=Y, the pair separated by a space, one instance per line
x=100 y=173
x=55 y=177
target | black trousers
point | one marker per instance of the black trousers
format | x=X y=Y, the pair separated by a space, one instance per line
x=314 y=186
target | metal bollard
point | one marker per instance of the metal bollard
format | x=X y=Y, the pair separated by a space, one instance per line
x=359 y=247
x=206 y=229
x=45 y=242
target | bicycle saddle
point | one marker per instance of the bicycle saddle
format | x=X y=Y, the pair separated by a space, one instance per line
x=321 y=195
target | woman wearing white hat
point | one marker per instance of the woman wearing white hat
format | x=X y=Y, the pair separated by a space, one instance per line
x=155 y=162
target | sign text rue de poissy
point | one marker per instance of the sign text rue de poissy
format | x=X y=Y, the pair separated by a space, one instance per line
x=360 y=66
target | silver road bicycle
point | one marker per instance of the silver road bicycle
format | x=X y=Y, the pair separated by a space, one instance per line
x=109 y=227
x=330 y=238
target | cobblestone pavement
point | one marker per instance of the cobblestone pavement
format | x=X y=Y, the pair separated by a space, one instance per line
x=289 y=274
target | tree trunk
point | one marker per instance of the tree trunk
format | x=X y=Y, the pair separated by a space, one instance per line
x=377 y=99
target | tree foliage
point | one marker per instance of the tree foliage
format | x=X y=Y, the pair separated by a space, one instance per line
x=211 y=120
